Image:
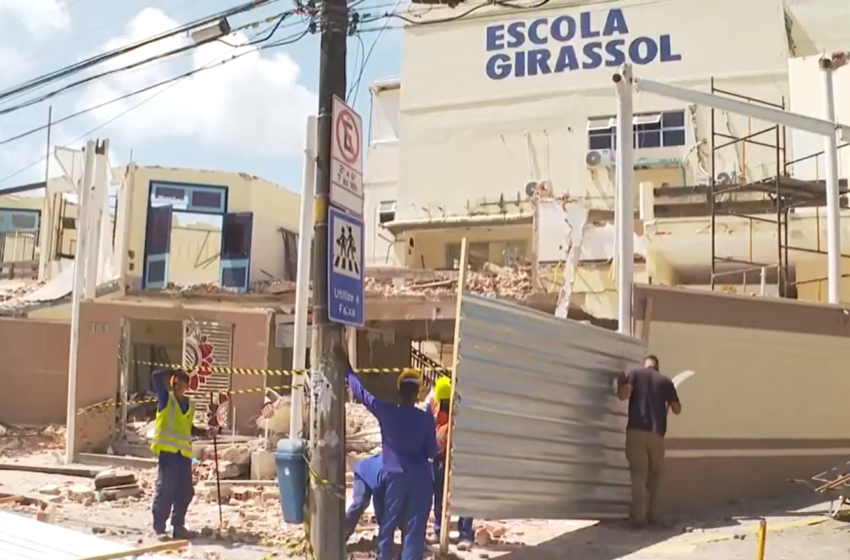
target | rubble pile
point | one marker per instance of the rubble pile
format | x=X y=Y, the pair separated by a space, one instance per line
x=272 y=286
x=24 y=441
x=362 y=432
x=108 y=486
x=233 y=462
x=513 y=282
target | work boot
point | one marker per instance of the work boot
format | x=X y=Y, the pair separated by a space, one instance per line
x=162 y=536
x=182 y=533
x=464 y=545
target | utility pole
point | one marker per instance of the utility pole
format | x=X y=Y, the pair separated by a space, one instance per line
x=327 y=383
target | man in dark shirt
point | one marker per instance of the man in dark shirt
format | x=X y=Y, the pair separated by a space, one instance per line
x=650 y=395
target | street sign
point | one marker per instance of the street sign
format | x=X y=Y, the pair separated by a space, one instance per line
x=346 y=303
x=347 y=159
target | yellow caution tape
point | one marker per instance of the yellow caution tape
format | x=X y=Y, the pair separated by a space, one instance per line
x=282 y=372
x=148 y=401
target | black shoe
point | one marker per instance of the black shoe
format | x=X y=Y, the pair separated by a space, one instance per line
x=183 y=533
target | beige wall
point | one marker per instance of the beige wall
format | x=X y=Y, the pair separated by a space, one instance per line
x=429 y=247
x=466 y=138
x=98 y=369
x=273 y=207
x=812 y=282
x=767 y=401
x=33 y=371
x=195 y=254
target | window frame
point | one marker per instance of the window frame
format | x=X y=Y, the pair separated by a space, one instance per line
x=650 y=131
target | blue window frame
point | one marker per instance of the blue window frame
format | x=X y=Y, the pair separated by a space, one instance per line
x=165 y=198
x=13 y=219
x=652 y=130
x=184 y=197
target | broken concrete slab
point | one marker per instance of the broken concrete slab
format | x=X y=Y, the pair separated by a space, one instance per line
x=80 y=493
x=67 y=470
x=113 y=477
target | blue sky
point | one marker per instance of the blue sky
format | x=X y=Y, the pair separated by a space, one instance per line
x=247 y=115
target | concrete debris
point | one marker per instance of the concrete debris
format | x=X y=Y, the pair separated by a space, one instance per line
x=271 y=287
x=112 y=478
x=16 y=442
x=512 y=282
x=362 y=431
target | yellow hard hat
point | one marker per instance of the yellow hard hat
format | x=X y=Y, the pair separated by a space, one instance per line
x=443 y=389
x=410 y=375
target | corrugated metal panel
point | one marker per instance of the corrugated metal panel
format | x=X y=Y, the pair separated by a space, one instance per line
x=23 y=538
x=539 y=432
x=220 y=336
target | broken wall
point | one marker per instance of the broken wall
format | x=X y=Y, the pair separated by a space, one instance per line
x=768 y=401
x=98 y=357
x=33 y=371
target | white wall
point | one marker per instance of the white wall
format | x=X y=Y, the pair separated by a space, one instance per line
x=380 y=183
x=470 y=138
x=807 y=98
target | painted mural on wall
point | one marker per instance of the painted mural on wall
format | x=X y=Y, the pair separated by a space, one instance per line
x=567 y=43
x=198 y=359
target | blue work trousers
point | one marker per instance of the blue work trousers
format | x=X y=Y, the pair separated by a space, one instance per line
x=464 y=524
x=407 y=503
x=174 y=491
x=363 y=494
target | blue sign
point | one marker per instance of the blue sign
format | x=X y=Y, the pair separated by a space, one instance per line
x=346 y=301
x=565 y=44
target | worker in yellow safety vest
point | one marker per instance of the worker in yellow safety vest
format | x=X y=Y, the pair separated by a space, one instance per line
x=172 y=445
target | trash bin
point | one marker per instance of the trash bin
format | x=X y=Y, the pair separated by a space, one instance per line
x=291 y=479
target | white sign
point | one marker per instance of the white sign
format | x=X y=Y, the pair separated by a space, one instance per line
x=347 y=158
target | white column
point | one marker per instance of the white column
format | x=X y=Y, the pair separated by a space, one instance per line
x=83 y=197
x=833 y=210
x=92 y=225
x=624 y=208
x=302 y=286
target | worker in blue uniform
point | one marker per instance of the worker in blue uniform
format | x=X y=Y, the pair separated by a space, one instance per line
x=366 y=488
x=408 y=438
x=172 y=445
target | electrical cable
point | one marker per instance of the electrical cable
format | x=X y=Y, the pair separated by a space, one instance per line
x=97 y=59
x=356 y=85
x=138 y=64
x=168 y=83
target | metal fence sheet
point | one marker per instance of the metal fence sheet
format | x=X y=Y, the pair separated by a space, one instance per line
x=539 y=432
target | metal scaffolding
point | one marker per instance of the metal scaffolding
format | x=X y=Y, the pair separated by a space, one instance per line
x=756 y=201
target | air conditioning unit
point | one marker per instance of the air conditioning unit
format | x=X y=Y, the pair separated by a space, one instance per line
x=599 y=159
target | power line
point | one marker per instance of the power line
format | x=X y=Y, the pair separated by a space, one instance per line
x=356 y=85
x=170 y=83
x=98 y=59
x=68 y=87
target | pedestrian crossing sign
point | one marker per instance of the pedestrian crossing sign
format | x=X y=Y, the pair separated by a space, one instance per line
x=345 y=269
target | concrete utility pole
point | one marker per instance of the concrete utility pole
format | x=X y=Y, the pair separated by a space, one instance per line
x=327 y=382
x=625 y=199
x=830 y=160
x=85 y=186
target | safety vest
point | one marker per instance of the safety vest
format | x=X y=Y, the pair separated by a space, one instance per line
x=442 y=420
x=173 y=432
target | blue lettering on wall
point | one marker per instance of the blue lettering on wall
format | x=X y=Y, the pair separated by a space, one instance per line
x=545 y=45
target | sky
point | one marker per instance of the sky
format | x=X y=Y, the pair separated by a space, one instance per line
x=247 y=115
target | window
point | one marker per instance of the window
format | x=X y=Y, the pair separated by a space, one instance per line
x=386 y=211
x=199 y=199
x=22 y=220
x=652 y=130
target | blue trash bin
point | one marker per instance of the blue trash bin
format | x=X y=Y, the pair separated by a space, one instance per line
x=291 y=479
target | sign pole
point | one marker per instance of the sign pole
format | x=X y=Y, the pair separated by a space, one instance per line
x=327 y=383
